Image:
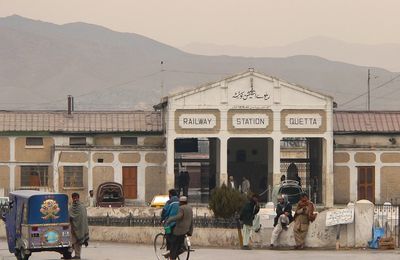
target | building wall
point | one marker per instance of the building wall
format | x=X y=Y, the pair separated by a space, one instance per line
x=24 y=153
x=56 y=153
x=352 y=151
x=4 y=149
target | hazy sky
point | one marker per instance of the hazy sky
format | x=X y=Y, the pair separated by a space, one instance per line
x=255 y=23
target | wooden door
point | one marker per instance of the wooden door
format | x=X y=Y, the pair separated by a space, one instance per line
x=366 y=183
x=129 y=182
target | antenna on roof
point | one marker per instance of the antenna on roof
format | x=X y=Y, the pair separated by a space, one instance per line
x=162 y=78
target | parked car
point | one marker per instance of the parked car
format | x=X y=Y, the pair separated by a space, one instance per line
x=37 y=221
x=110 y=194
x=292 y=189
x=159 y=201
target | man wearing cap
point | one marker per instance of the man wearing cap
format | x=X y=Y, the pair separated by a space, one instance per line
x=184 y=226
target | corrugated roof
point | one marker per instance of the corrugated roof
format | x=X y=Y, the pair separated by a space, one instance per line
x=366 y=121
x=82 y=121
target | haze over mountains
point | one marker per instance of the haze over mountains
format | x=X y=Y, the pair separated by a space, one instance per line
x=41 y=63
x=381 y=55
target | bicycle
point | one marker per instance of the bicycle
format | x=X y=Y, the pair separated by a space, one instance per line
x=160 y=247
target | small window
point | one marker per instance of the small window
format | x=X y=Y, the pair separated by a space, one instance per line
x=129 y=140
x=34 y=141
x=34 y=176
x=73 y=176
x=77 y=141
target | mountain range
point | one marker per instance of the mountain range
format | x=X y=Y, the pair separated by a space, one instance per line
x=41 y=63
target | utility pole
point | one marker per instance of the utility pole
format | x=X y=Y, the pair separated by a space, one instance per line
x=369 y=92
x=162 y=78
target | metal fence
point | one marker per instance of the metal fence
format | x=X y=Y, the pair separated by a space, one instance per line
x=155 y=221
x=387 y=216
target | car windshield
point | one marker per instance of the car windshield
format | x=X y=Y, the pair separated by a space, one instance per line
x=111 y=196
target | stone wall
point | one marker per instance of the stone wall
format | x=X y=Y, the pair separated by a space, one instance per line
x=319 y=235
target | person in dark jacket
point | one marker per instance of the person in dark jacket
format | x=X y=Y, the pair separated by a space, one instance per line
x=247 y=214
x=184 y=226
x=184 y=181
x=282 y=219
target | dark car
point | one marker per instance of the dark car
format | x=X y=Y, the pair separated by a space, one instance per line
x=37 y=221
x=292 y=189
x=110 y=194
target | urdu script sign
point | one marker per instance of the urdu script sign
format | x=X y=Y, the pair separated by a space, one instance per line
x=339 y=216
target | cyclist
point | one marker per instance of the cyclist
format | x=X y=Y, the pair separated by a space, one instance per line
x=170 y=209
x=184 y=226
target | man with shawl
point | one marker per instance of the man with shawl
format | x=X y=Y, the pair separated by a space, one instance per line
x=79 y=225
x=304 y=214
x=282 y=219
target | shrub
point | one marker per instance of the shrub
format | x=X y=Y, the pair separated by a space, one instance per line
x=224 y=202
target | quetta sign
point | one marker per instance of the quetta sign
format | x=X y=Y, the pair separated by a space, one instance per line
x=303 y=121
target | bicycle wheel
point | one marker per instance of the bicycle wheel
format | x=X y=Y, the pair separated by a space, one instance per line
x=185 y=251
x=160 y=245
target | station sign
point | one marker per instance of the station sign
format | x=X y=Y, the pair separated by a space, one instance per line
x=250 y=121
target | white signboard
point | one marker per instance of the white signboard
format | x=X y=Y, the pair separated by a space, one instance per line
x=245 y=121
x=197 y=121
x=339 y=216
x=304 y=121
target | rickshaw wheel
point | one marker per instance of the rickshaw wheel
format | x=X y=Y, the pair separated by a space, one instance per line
x=67 y=255
x=20 y=254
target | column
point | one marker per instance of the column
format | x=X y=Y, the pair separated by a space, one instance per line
x=170 y=174
x=56 y=175
x=222 y=176
x=276 y=160
x=328 y=170
x=90 y=171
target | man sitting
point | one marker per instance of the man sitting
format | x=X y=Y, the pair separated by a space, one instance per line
x=282 y=219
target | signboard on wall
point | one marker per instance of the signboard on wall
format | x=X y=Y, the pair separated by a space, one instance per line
x=250 y=121
x=339 y=216
x=197 y=121
x=303 y=121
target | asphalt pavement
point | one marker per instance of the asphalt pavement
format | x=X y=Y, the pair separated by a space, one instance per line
x=114 y=251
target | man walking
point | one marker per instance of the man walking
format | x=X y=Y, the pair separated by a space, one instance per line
x=184 y=226
x=79 y=225
x=282 y=219
x=249 y=210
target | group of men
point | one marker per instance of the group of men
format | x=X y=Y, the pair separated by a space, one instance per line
x=177 y=217
x=244 y=187
x=304 y=215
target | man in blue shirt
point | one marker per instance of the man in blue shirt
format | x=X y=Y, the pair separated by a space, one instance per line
x=170 y=209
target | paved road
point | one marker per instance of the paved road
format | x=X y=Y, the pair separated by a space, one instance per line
x=113 y=251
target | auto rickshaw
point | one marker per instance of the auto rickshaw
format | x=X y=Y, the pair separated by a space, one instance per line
x=37 y=221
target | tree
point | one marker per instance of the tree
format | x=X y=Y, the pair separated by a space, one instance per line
x=224 y=201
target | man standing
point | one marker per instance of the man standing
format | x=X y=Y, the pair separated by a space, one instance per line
x=79 y=225
x=91 y=200
x=170 y=209
x=231 y=183
x=249 y=210
x=184 y=226
x=282 y=219
x=184 y=180
x=245 y=186
x=304 y=214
